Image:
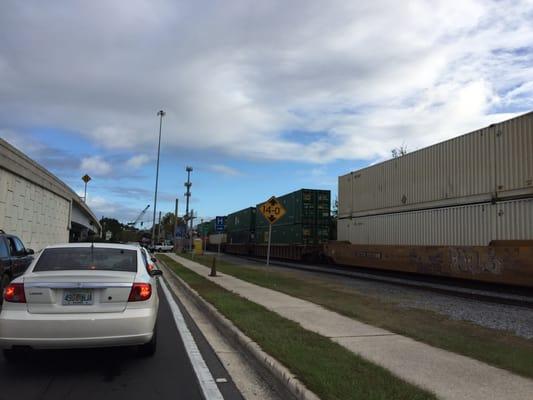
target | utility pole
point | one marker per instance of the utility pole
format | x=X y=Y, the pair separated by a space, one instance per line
x=204 y=242
x=192 y=222
x=160 y=114
x=188 y=185
x=175 y=225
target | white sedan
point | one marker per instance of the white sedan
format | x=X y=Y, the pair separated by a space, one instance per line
x=82 y=295
x=150 y=260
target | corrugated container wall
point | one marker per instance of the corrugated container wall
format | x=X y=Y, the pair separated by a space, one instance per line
x=295 y=234
x=514 y=150
x=493 y=162
x=345 y=195
x=204 y=228
x=243 y=236
x=471 y=225
x=304 y=206
x=217 y=238
x=241 y=220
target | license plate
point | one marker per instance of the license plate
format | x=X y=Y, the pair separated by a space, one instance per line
x=77 y=297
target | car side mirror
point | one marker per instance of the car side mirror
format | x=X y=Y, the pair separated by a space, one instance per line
x=156 y=272
x=154 y=259
x=30 y=251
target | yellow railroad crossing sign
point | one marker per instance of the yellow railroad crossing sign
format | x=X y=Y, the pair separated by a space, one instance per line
x=272 y=210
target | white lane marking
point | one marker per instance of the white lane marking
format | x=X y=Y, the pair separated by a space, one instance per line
x=207 y=383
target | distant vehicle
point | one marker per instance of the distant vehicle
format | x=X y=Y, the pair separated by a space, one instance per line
x=162 y=247
x=82 y=295
x=14 y=259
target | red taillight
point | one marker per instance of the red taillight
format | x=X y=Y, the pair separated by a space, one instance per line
x=140 y=292
x=14 y=293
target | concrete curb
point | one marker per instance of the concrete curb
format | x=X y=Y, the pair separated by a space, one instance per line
x=285 y=380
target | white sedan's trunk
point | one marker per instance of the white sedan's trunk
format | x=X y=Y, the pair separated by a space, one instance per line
x=62 y=292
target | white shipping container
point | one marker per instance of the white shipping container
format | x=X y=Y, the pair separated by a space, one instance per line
x=514 y=156
x=345 y=196
x=493 y=162
x=217 y=238
x=471 y=225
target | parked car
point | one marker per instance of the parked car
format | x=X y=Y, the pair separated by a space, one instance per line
x=14 y=259
x=82 y=295
x=150 y=260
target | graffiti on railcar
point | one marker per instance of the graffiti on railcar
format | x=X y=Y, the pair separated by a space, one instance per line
x=494 y=264
x=427 y=261
x=472 y=261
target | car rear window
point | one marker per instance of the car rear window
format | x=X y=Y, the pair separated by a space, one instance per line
x=87 y=258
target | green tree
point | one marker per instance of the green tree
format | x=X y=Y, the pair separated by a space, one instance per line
x=114 y=226
x=399 y=151
x=167 y=225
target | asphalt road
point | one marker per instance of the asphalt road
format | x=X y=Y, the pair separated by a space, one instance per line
x=114 y=373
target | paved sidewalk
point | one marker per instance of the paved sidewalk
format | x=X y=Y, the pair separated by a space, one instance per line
x=449 y=375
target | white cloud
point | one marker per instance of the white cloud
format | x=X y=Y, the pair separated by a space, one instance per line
x=102 y=206
x=138 y=161
x=224 y=170
x=96 y=166
x=367 y=76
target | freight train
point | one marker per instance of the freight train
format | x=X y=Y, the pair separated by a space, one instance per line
x=461 y=209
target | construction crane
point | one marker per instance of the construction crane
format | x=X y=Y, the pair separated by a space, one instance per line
x=132 y=224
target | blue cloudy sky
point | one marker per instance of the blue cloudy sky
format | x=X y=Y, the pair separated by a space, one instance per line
x=262 y=98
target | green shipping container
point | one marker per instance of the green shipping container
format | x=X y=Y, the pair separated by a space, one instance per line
x=206 y=228
x=242 y=220
x=304 y=206
x=294 y=234
x=242 y=236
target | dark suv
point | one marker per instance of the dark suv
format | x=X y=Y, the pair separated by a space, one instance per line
x=14 y=259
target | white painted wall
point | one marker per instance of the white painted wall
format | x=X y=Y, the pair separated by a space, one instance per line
x=38 y=216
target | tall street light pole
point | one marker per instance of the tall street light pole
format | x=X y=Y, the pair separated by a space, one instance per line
x=160 y=114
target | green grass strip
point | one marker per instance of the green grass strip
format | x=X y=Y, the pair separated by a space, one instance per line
x=498 y=348
x=325 y=367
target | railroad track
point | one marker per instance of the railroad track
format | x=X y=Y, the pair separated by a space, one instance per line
x=522 y=297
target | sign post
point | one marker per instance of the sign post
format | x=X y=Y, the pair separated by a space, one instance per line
x=85 y=178
x=269 y=241
x=272 y=210
x=220 y=225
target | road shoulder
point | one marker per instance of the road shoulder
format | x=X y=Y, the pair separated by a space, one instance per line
x=241 y=369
